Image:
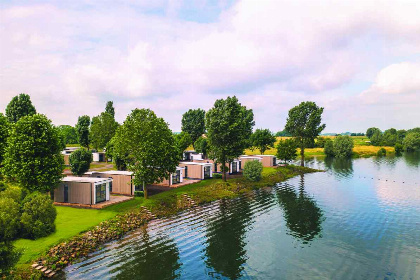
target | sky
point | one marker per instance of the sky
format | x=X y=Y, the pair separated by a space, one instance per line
x=360 y=60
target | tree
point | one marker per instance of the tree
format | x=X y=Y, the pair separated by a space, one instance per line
x=102 y=130
x=304 y=123
x=32 y=156
x=401 y=135
x=286 y=150
x=412 y=141
x=253 y=170
x=229 y=126
x=9 y=230
x=390 y=137
x=110 y=109
x=370 y=131
x=329 y=148
x=182 y=140
x=20 y=106
x=69 y=134
x=4 y=133
x=201 y=145
x=283 y=133
x=80 y=161
x=149 y=147
x=343 y=146
x=82 y=129
x=193 y=123
x=399 y=148
x=263 y=139
x=377 y=138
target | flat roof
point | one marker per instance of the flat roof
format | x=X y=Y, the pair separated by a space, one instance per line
x=116 y=172
x=250 y=156
x=197 y=163
x=264 y=155
x=84 y=179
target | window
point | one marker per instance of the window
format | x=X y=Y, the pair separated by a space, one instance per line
x=176 y=177
x=186 y=172
x=207 y=172
x=110 y=184
x=100 y=192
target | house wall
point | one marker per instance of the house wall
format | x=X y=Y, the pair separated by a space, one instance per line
x=245 y=160
x=78 y=192
x=121 y=184
x=267 y=161
x=66 y=159
x=194 y=171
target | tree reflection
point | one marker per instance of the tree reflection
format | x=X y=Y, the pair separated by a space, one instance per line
x=303 y=216
x=150 y=259
x=341 y=166
x=412 y=158
x=225 y=238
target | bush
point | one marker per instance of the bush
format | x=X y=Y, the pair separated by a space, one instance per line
x=381 y=152
x=320 y=142
x=139 y=193
x=217 y=176
x=2 y=186
x=38 y=216
x=8 y=258
x=253 y=170
x=9 y=219
x=343 y=146
x=398 y=149
x=14 y=193
x=329 y=148
x=80 y=161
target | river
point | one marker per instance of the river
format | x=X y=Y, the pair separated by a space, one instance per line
x=358 y=220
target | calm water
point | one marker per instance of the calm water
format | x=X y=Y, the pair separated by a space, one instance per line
x=358 y=220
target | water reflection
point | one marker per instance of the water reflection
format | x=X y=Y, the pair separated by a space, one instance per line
x=156 y=258
x=412 y=158
x=341 y=167
x=225 y=246
x=303 y=216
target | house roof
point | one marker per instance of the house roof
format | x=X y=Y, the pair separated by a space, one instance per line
x=197 y=163
x=85 y=179
x=264 y=155
x=256 y=157
x=116 y=172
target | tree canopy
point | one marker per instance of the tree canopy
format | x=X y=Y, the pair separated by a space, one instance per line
x=263 y=139
x=286 y=150
x=69 y=134
x=82 y=129
x=4 y=133
x=148 y=145
x=304 y=123
x=412 y=141
x=182 y=140
x=110 y=109
x=32 y=156
x=193 y=123
x=229 y=126
x=201 y=145
x=80 y=161
x=20 y=106
x=370 y=131
x=102 y=130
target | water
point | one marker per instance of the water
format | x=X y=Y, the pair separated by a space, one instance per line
x=358 y=220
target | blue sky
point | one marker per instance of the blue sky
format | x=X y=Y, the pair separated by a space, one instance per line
x=360 y=60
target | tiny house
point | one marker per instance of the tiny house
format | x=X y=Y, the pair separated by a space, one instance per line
x=268 y=160
x=234 y=166
x=244 y=159
x=98 y=157
x=176 y=177
x=66 y=154
x=121 y=180
x=83 y=190
x=196 y=170
x=186 y=155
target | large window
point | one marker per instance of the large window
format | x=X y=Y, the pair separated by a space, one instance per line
x=234 y=167
x=176 y=177
x=100 y=192
x=186 y=172
x=110 y=185
x=207 y=170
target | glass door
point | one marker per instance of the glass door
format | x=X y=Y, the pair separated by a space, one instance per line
x=100 y=192
x=207 y=172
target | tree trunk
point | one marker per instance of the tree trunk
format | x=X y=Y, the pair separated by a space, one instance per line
x=145 y=190
x=224 y=171
x=52 y=195
x=302 y=155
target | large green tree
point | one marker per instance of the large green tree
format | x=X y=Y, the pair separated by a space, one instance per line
x=193 y=123
x=182 y=140
x=390 y=137
x=229 y=127
x=69 y=134
x=4 y=133
x=82 y=129
x=263 y=139
x=201 y=145
x=343 y=146
x=412 y=141
x=286 y=150
x=149 y=147
x=80 y=161
x=377 y=138
x=20 y=106
x=371 y=130
x=110 y=108
x=102 y=130
x=32 y=156
x=304 y=123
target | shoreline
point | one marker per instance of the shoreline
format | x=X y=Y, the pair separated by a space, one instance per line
x=160 y=205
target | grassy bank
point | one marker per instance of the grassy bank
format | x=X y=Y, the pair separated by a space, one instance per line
x=71 y=222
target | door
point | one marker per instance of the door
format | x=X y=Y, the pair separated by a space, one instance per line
x=66 y=193
x=207 y=172
x=234 y=167
x=100 y=192
x=186 y=172
x=176 y=177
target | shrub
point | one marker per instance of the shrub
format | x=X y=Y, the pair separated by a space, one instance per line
x=398 y=149
x=217 y=176
x=329 y=148
x=80 y=161
x=320 y=142
x=381 y=152
x=412 y=141
x=253 y=170
x=8 y=258
x=38 y=216
x=2 y=186
x=9 y=219
x=343 y=146
x=139 y=193
x=14 y=193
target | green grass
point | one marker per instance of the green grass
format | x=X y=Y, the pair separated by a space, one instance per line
x=72 y=145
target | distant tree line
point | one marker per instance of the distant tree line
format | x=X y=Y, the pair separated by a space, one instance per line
x=407 y=140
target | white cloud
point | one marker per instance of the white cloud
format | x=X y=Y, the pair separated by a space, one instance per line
x=270 y=52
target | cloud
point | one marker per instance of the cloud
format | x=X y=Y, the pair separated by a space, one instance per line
x=273 y=54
